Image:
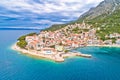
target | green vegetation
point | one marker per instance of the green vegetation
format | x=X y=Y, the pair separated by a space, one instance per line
x=53 y=46
x=22 y=44
x=23 y=37
x=55 y=27
x=58 y=26
x=77 y=30
x=113 y=40
x=66 y=51
x=108 y=24
x=21 y=40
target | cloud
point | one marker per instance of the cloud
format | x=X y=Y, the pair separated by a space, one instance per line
x=61 y=10
x=48 y=6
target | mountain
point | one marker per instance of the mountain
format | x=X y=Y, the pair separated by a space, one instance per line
x=105 y=17
x=106 y=7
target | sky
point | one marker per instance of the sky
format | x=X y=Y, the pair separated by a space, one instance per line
x=41 y=13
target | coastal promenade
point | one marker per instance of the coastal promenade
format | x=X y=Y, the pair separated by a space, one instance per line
x=57 y=57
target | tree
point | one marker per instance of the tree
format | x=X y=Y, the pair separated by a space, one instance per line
x=66 y=51
x=21 y=40
x=22 y=44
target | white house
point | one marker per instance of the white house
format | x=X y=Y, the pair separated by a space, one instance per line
x=108 y=42
x=75 y=44
x=118 y=41
x=48 y=51
x=59 y=48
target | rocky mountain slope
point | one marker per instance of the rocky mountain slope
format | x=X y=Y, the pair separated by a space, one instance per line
x=106 y=7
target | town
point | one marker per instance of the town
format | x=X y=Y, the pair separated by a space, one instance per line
x=61 y=40
x=57 y=45
x=65 y=39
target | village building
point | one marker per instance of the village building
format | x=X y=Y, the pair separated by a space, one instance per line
x=64 y=39
x=108 y=42
x=48 y=51
x=118 y=41
x=59 y=48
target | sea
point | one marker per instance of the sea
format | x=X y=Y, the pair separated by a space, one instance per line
x=104 y=64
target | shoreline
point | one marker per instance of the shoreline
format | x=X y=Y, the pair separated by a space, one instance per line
x=59 y=57
x=32 y=53
x=113 y=45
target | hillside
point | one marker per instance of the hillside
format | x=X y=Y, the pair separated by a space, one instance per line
x=55 y=27
x=105 y=7
x=106 y=17
x=107 y=24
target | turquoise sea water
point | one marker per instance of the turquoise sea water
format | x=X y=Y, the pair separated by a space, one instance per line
x=104 y=65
